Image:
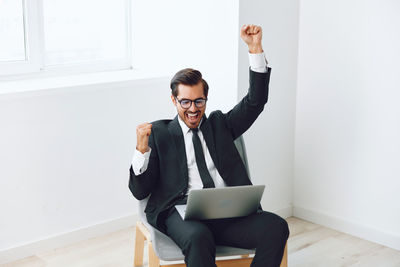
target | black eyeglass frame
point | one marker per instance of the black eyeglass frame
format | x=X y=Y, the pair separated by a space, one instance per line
x=193 y=101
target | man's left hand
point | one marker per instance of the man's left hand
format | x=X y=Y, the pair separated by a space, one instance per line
x=252 y=35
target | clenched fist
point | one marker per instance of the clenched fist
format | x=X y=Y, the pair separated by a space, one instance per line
x=143 y=132
x=252 y=35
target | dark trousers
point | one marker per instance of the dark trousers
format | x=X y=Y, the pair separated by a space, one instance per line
x=264 y=231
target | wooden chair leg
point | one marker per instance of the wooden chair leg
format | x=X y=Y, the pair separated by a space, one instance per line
x=139 y=247
x=284 y=258
x=154 y=261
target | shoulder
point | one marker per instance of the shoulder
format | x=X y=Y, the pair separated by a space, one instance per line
x=160 y=126
x=160 y=123
x=159 y=129
x=216 y=117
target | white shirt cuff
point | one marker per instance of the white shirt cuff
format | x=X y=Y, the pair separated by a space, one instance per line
x=258 y=62
x=140 y=161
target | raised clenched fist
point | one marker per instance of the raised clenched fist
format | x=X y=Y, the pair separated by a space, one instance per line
x=252 y=35
x=143 y=132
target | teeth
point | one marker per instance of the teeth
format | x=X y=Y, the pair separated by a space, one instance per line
x=192 y=115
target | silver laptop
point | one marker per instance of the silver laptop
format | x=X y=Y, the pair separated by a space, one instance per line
x=225 y=202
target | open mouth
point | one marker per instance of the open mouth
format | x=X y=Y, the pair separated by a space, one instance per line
x=192 y=117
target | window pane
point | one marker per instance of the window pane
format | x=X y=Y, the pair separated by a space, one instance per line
x=82 y=31
x=12 y=40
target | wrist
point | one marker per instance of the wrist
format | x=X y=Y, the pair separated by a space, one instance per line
x=142 y=149
x=255 y=49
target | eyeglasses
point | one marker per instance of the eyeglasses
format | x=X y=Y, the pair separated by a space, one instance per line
x=187 y=103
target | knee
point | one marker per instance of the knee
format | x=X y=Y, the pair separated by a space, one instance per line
x=278 y=228
x=201 y=238
x=284 y=229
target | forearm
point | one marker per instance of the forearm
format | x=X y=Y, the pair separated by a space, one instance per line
x=140 y=161
x=258 y=62
x=255 y=48
x=243 y=115
x=142 y=185
x=143 y=172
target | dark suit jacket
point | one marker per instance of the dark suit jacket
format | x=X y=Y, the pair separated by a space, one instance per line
x=166 y=177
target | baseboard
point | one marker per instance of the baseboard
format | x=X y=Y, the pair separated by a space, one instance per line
x=284 y=212
x=349 y=227
x=65 y=239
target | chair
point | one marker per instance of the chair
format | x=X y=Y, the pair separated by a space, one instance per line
x=161 y=247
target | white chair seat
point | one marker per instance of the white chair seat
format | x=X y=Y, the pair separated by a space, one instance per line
x=166 y=249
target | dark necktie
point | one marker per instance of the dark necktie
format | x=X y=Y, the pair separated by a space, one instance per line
x=201 y=162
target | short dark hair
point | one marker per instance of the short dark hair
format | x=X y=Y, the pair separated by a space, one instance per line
x=188 y=76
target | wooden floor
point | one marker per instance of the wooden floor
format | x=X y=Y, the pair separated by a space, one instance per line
x=309 y=245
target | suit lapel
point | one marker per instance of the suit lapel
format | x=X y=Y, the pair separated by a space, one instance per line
x=209 y=138
x=177 y=136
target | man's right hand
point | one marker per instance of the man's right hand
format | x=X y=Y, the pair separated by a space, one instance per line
x=143 y=132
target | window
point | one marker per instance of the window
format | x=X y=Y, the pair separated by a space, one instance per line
x=64 y=35
x=12 y=46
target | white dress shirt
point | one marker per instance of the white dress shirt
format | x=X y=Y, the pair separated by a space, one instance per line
x=195 y=181
x=140 y=161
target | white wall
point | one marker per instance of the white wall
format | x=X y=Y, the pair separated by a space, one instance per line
x=270 y=141
x=348 y=125
x=65 y=152
x=176 y=34
x=65 y=156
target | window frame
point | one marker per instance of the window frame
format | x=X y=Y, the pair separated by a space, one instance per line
x=34 y=63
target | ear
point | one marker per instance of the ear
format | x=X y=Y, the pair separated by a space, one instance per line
x=173 y=100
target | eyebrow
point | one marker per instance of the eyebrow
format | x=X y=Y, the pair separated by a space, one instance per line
x=192 y=99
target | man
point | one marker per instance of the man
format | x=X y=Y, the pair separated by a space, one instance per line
x=193 y=152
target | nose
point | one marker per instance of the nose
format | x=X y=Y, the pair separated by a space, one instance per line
x=193 y=108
